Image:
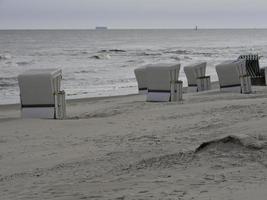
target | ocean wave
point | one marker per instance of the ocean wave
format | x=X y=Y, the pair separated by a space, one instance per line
x=149 y=54
x=5 y=56
x=78 y=53
x=13 y=78
x=39 y=54
x=188 y=58
x=101 y=57
x=22 y=63
x=187 y=52
x=175 y=58
x=6 y=82
x=115 y=81
x=86 y=71
x=84 y=52
x=135 y=62
x=112 y=51
x=124 y=66
x=178 y=51
x=64 y=53
x=132 y=61
x=3 y=86
x=206 y=54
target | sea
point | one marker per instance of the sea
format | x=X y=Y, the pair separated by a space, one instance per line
x=101 y=62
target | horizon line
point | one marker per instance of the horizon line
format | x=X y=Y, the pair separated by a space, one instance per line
x=48 y=29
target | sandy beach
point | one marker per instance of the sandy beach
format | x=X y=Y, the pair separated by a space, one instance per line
x=212 y=145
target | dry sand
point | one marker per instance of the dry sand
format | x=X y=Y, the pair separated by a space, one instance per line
x=211 y=146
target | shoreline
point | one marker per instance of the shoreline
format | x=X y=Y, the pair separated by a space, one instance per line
x=85 y=99
x=214 y=85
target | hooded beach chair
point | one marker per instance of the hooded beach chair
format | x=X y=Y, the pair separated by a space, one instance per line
x=141 y=78
x=193 y=73
x=253 y=69
x=162 y=82
x=230 y=74
x=40 y=94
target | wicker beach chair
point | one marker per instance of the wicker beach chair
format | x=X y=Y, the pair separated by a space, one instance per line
x=253 y=69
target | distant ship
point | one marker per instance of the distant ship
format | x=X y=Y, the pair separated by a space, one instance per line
x=101 y=28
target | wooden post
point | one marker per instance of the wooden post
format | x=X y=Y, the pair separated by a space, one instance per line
x=179 y=91
x=245 y=84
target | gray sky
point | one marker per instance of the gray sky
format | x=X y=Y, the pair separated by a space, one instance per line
x=16 y=14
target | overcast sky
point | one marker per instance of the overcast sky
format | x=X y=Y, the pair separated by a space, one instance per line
x=25 y=14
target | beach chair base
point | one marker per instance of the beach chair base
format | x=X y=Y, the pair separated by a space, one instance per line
x=234 y=89
x=174 y=95
x=158 y=96
x=191 y=89
x=258 y=81
x=245 y=84
x=39 y=112
x=203 y=83
x=57 y=111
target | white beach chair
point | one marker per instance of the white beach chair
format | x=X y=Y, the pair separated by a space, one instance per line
x=193 y=72
x=162 y=82
x=40 y=94
x=141 y=78
x=229 y=73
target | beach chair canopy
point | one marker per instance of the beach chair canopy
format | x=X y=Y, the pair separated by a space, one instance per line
x=141 y=78
x=195 y=71
x=228 y=73
x=159 y=76
x=252 y=64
